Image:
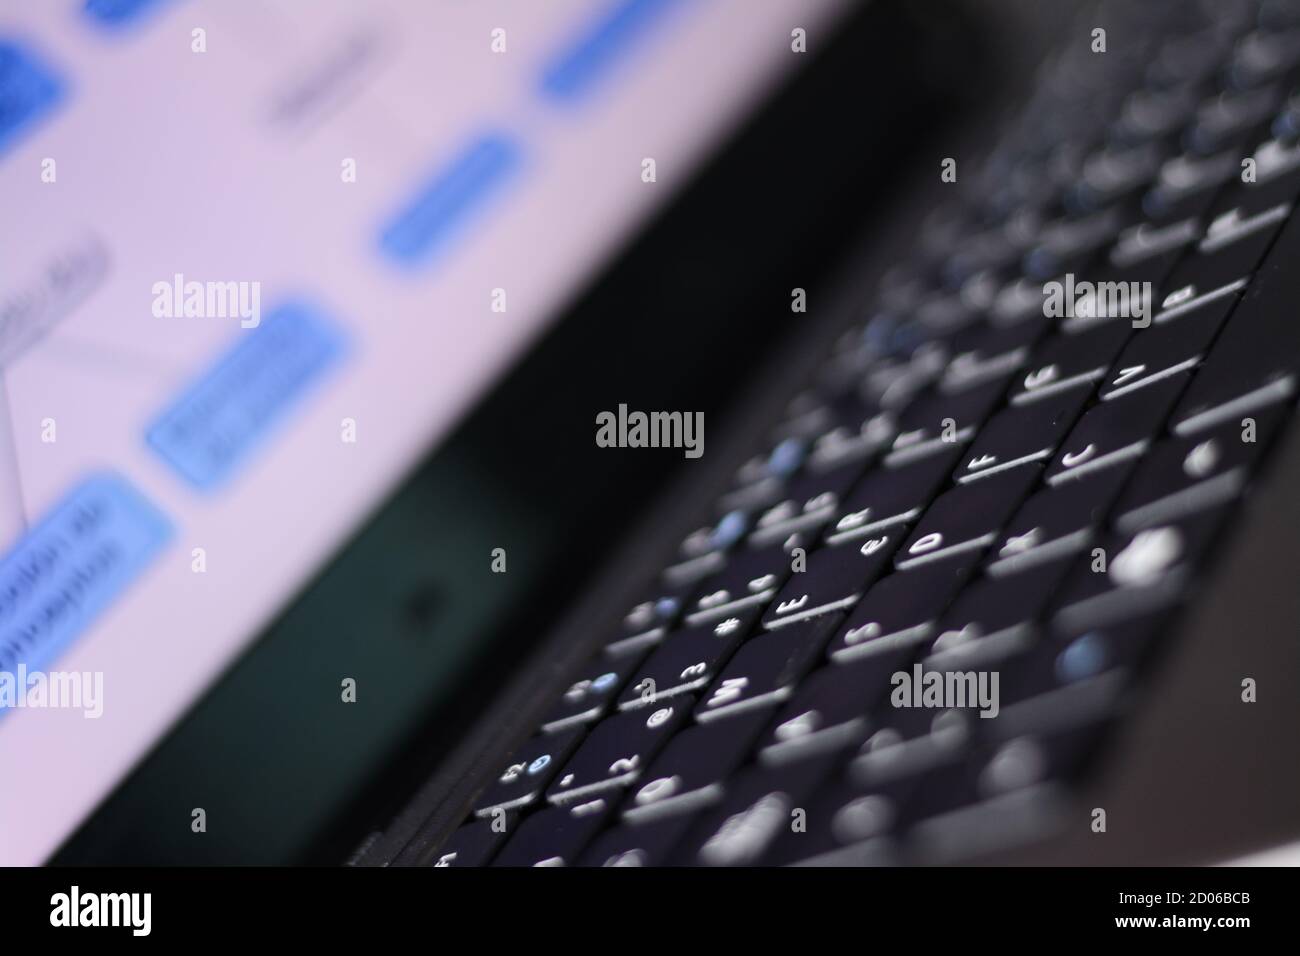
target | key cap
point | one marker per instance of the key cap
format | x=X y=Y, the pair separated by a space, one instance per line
x=891 y=496
x=1152 y=247
x=940 y=420
x=844 y=814
x=1264 y=55
x=1222 y=119
x=1115 y=432
x=755 y=812
x=618 y=750
x=1167 y=348
x=1186 y=184
x=1144 y=571
x=1277 y=175
x=645 y=844
x=852 y=439
x=1057 y=521
x=1019 y=435
x=911 y=740
x=750 y=579
x=1066 y=243
x=1184 y=475
x=686 y=661
x=589 y=697
x=995 y=616
x=836 y=577
x=554 y=837
x=704 y=551
x=1073 y=679
x=893 y=384
x=765 y=670
x=474 y=844
x=529 y=770
x=1254 y=361
x=989 y=355
x=692 y=770
x=648 y=621
x=829 y=709
x=1231 y=250
x=1060 y=754
x=1071 y=362
x=966 y=518
x=1114 y=173
x=900 y=610
x=811 y=501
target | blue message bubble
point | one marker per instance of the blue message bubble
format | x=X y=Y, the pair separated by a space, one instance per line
x=219 y=421
x=119 y=13
x=586 y=61
x=65 y=571
x=29 y=91
x=445 y=202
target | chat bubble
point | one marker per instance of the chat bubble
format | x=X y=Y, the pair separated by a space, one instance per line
x=66 y=570
x=219 y=422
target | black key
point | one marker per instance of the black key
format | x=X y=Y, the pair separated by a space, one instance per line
x=1000 y=797
x=908 y=740
x=1057 y=521
x=1277 y=176
x=1231 y=251
x=1223 y=118
x=1115 y=173
x=1019 y=435
x=1174 y=344
x=759 y=807
x=554 y=837
x=1115 y=432
x=941 y=789
x=810 y=502
x=644 y=844
x=892 y=384
x=1255 y=360
x=528 y=772
x=996 y=615
x=835 y=578
x=1056 y=754
x=830 y=708
x=618 y=750
x=1144 y=571
x=765 y=670
x=588 y=698
x=474 y=844
x=1154 y=114
x=939 y=420
x=649 y=620
x=858 y=438
x=702 y=552
x=1068 y=361
x=686 y=661
x=691 y=771
x=750 y=579
x=1153 y=249
x=1184 y=475
x=990 y=355
x=1036 y=685
x=967 y=518
x=1187 y=184
x=900 y=610
x=1067 y=243
x=892 y=496
x=844 y=814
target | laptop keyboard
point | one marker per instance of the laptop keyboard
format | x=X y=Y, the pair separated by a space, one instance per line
x=974 y=481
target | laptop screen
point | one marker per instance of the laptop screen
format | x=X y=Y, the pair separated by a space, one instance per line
x=256 y=261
